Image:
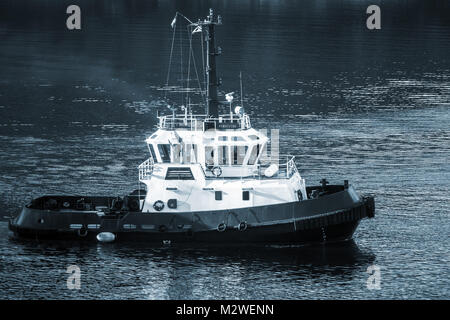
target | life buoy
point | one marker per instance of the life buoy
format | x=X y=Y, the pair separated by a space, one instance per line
x=216 y=171
x=133 y=205
x=221 y=227
x=82 y=232
x=242 y=226
x=158 y=205
x=117 y=204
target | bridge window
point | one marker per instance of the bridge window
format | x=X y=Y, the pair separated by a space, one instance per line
x=190 y=153
x=152 y=152
x=254 y=154
x=238 y=154
x=223 y=155
x=164 y=152
x=176 y=153
x=209 y=156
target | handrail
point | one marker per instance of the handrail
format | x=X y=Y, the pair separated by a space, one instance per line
x=291 y=167
x=286 y=168
x=191 y=122
x=146 y=169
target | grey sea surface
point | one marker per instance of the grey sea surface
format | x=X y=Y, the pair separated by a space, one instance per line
x=368 y=106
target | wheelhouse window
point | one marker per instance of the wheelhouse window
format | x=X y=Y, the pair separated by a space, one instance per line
x=190 y=153
x=152 y=152
x=254 y=154
x=223 y=155
x=238 y=154
x=164 y=152
x=176 y=153
x=209 y=156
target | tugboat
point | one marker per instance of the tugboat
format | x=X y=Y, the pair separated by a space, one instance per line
x=208 y=180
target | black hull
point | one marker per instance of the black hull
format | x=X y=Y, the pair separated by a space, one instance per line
x=329 y=218
x=267 y=234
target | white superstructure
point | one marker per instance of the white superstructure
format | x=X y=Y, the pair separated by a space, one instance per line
x=198 y=163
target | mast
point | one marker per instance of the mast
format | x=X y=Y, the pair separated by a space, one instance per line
x=207 y=29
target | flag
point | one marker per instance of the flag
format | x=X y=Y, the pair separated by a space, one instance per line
x=174 y=21
x=197 y=29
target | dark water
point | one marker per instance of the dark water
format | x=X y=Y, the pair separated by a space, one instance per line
x=368 y=106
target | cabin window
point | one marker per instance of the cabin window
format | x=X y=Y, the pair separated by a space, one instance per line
x=245 y=195
x=190 y=153
x=238 y=154
x=254 y=154
x=253 y=137
x=164 y=152
x=179 y=173
x=152 y=152
x=209 y=156
x=176 y=153
x=223 y=138
x=236 y=138
x=218 y=195
x=223 y=155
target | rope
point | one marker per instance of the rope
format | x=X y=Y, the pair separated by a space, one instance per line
x=198 y=78
x=191 y=54
x=189 y=65
x=170 y=59
x=203 y=62
x=179 y=14
x=181 y=62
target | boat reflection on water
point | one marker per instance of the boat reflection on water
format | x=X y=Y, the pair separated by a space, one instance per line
x=142 y=271
x=332 y=257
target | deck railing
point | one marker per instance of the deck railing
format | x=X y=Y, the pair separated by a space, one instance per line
x=281 y=168
x=286 y=167
x=146 y=169
x=291 y=167
x=203 y=122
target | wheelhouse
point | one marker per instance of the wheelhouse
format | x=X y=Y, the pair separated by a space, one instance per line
x=225 y=148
